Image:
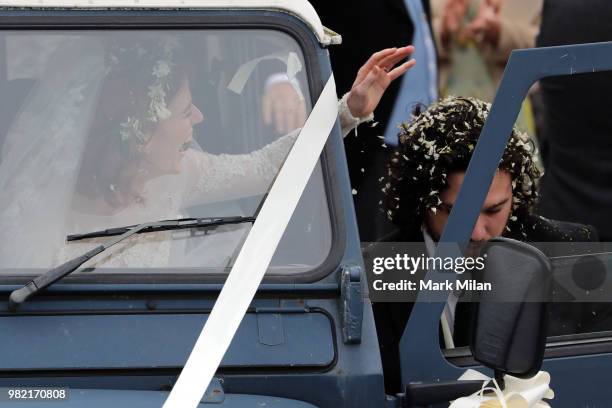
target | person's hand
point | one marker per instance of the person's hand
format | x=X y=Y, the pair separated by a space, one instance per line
x=486 y=26
x=283 y=106
x=452 y=17
x=374 y=77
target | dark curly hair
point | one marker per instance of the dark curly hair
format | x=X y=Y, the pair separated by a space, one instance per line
x=439 y=141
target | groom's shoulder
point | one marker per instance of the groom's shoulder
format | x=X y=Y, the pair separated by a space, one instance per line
x=402 y=235
x=541 y=229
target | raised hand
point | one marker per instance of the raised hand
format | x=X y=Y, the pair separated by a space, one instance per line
x=486 y=26
x=374 y=77
x=452 y=18
x=283 y=107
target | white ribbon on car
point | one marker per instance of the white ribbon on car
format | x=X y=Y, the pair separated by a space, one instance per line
x=518 y=393
x=256 y=253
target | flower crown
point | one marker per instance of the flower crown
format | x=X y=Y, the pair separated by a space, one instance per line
x=436 y=141
x=161 y=56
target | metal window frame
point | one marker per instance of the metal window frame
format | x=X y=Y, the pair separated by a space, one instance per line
x=186 y=19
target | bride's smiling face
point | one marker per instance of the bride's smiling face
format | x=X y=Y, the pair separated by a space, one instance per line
x=171 y=137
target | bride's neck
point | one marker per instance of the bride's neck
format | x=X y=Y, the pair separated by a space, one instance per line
x=131 y=181
x=112 y=195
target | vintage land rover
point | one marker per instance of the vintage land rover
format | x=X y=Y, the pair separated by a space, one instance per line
x=75 y=77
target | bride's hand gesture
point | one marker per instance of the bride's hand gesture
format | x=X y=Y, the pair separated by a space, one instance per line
x=374 y=77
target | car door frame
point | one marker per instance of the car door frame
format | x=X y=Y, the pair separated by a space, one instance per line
x=421 y=357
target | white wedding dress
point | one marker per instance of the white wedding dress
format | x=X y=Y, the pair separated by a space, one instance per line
x=205 y=178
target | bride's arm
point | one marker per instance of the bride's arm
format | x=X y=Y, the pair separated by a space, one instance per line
x=225 y=176
x=229 y=176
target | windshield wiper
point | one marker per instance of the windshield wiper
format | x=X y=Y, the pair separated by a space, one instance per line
x=39 y=283
x=165 y=225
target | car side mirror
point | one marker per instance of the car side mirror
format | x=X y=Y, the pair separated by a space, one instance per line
x=510 y=320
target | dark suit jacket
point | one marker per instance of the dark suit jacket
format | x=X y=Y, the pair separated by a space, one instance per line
x=391 y=318
x=576 y=140
x=366 y=26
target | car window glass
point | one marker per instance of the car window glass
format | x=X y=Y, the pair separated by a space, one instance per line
x=102 y=129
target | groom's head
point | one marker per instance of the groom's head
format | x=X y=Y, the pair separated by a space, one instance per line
x=426 y=171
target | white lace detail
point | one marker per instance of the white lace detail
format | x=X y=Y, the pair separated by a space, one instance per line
x=347 y=121
x=227 y=176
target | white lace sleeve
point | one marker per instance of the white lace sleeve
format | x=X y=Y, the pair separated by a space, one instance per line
x=229 y=176
x=347 y=121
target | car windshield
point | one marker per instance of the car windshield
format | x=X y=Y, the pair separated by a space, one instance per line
x=102 y=129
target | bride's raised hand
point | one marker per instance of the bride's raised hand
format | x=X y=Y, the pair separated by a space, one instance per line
x=374 y=77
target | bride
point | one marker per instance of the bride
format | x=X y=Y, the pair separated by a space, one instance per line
x=139 y=161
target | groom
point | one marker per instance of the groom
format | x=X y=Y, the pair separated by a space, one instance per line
x=424 y=176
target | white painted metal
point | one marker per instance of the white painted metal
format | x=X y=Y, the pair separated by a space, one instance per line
x=299 y=8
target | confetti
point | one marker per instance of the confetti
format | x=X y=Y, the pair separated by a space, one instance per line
x=443 y=134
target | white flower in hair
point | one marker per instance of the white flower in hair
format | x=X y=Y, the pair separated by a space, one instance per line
x=162 y=112
x=161 y=69
x=132 y=128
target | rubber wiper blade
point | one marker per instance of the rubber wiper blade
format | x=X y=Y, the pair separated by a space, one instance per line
x=48 y=278
x=166 y=225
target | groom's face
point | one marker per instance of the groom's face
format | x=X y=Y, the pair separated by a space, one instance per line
x=494 y=213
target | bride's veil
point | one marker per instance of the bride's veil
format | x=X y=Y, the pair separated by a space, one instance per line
x=41 y=155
